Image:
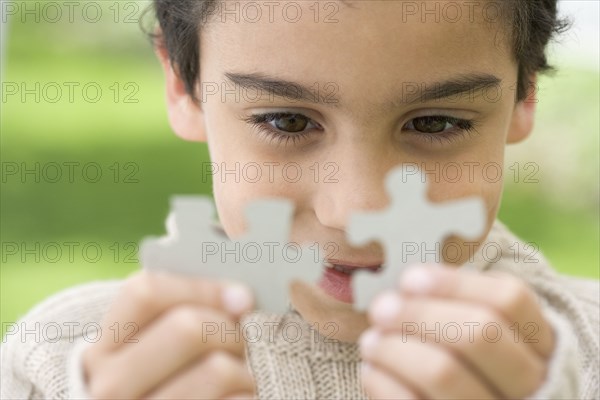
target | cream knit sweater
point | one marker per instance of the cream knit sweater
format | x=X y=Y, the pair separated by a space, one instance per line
x=301 y=364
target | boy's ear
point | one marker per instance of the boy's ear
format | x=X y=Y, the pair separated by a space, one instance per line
x=185 y=116
x=523 y=116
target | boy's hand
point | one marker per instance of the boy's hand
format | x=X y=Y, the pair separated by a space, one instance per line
x=154 y=343
x=452 y=334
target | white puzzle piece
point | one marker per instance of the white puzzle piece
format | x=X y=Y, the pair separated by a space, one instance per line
x=410 y=225
x=411 y=230
x=261 y=257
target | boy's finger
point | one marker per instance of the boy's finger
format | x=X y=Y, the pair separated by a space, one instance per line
x=379 y=384
x=185 y=334
x=146 y=295
x=215 y=377
x=436 y=375
x=504 y=293
x=474 y=333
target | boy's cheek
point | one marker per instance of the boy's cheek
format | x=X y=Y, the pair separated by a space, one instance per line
x=486 y=185
x=485 y=182
x=230 y=214
x=234 y=192
x=456 y=250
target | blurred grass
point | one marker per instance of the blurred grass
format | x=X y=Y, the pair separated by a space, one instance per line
x=107 y=132
x=568 y=239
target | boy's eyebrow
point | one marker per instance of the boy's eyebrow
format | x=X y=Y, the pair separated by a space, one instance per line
x=411 y=92
x=421 y=92
x=284 y=88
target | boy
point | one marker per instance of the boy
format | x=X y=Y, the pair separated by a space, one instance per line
x=363 y=86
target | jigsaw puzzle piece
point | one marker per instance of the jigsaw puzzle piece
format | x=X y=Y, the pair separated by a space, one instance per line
x=269 y=263
x=260 y=257
x=271 y=281
x=180 y=250
x=411 y=230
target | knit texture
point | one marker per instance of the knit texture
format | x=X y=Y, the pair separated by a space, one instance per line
x=291 y=360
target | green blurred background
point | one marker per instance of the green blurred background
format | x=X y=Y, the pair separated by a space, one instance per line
x=143 y=163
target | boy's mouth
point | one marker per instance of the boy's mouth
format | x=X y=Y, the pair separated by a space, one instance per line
x=336 y=280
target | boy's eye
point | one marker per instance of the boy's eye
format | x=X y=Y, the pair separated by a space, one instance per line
x=286 y=127
x=283 y=126
x=429 y=124
x=291 y=123
x=438 y=124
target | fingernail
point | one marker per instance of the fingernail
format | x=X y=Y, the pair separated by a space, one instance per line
x=417 y=280
x=368 y=340
x=237 y=298
x=386 y=308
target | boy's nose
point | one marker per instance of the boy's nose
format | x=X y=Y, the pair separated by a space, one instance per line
x=359 y=185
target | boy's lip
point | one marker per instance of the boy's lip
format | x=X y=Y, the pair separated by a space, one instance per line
x=353 y=265
x=336 y=280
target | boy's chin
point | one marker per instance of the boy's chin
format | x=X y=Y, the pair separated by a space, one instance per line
x=334 y=319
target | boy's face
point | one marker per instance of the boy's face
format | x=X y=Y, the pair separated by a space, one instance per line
x=330 y=152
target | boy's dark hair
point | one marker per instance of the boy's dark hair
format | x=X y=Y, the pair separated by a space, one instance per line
x=531 y=24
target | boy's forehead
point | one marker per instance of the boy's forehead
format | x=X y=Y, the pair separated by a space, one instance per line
x=391 y=41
